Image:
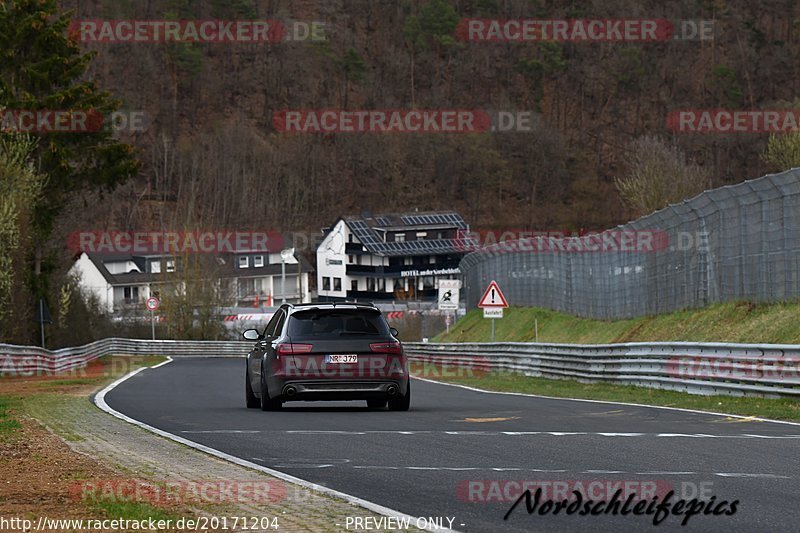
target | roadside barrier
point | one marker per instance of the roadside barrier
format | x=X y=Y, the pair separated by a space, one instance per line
x=26 y=360
x=698 y=368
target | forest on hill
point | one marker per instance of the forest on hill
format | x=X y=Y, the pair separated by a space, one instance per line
x=212 y=156
x=601 y=143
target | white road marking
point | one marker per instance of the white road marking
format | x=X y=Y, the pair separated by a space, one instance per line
x=745 y=474
x=301 y=465
x=223 y=431
x=754 y=475
x=162 y=363
x=665 y=473
x=535 y=433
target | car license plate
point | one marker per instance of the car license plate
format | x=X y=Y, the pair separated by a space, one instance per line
x=341 y=358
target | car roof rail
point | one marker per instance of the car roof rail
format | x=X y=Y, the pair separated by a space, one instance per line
x=355 y=302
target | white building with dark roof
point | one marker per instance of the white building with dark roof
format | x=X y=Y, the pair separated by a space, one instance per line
x=390 y=257
x=244 y=278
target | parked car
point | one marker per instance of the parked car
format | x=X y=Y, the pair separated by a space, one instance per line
x=329 y=351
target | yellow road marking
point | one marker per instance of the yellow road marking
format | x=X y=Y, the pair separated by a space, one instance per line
x=735 y=420
x=745 y=419
x=490 y=419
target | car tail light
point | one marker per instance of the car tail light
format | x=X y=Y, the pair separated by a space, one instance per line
x=289 y=348
x=387 y=347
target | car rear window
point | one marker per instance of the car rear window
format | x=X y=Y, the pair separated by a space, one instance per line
x=341 y=322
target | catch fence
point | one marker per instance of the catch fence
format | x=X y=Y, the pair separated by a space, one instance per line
x=739 y=242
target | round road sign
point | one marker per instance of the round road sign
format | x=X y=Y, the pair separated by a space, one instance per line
x=152 y=303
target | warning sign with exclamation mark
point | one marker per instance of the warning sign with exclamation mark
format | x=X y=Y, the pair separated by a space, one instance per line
x=493 y=297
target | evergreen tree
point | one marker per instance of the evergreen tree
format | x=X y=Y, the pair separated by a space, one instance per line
x=42 y=68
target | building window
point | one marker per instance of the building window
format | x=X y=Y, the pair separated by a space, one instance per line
x=408 y=261
x=155 y=267
x=371 y=284
x=382 y=284
x=337 y=284
x=398 y=284
x=247 y=288
x=326 y=283
x=432 y=259
x=351 y=259
x=244 y=261
x=400 y=237
x=258 y=261
x=354 y=285
x=427 y=282
x=131 y=294
x=421 y=235
x=170 y=265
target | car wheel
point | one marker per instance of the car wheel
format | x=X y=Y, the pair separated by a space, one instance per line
x=402 y=403
x=250 y=398
x=267 y=403
x=376 y=404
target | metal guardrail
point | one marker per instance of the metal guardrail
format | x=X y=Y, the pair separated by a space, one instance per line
x=770 y=370
x=27 y=360
x=697 y=368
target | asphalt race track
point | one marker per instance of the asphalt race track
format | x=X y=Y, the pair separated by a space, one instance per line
x=457 y=448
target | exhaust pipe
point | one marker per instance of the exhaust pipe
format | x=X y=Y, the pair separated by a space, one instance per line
x=391 y=390
x=290 y=391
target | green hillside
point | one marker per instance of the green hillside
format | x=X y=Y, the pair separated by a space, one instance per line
x=732 y=322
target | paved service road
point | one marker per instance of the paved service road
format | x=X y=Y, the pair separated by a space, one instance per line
x=463 y=454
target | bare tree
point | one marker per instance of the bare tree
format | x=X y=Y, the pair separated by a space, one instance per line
x=657 y=175
x=783 y=151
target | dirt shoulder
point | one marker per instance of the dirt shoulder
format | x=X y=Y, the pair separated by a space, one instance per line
x=81 y=462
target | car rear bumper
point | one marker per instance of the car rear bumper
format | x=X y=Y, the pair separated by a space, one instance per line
x=313 y=390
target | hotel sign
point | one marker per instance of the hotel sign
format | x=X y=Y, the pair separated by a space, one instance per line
x=430 y=272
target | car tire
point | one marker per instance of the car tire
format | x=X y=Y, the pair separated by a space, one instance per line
x=250 y=398
x=267 y=403
x=376 y=404
x=402 y=403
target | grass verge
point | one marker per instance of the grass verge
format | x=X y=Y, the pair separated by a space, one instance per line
x=779 y=409
x=8 y=424
x=128 y=510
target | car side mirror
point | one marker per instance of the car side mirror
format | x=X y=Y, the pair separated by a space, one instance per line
x=394 y=332
x=252 y=335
